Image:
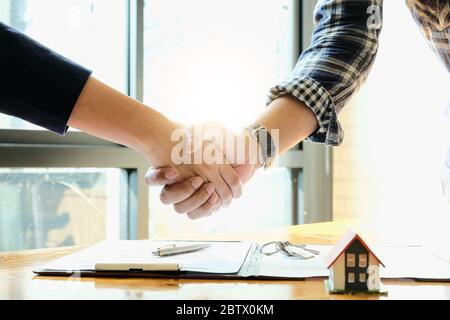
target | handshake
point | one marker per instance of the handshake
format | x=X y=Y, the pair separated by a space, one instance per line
x=208 y=166
x=202 y=168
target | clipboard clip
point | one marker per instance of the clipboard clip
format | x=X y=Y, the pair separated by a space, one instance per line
x=137 y=267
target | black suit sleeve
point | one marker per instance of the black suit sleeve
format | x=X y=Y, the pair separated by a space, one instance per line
x=37 y=84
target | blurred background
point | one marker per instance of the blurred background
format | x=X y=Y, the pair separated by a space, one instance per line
x=202 y=60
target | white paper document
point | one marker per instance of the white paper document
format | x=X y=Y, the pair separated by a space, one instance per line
x=283 y=266
x=415 y=262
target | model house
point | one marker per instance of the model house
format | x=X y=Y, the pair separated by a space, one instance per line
x=353 y=266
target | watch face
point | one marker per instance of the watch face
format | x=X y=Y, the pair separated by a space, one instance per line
x=266 y=143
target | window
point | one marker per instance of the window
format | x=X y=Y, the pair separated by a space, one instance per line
x=351 y=277
x=74 y=190
x=216 y=60
x=362 y=260
x=350 y=260
x=90 y=32
x=362 y=277
x=52 y=207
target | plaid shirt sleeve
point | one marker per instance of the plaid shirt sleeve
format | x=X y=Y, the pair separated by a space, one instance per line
x=328 y=73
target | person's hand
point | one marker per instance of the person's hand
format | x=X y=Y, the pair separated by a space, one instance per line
x=189 y=196
x=194 y=196
x=198 y=165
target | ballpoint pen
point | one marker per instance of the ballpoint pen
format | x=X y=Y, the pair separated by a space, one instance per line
x=173 y=249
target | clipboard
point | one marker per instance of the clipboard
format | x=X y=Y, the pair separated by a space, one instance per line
x=232 y=260
x=134 y=258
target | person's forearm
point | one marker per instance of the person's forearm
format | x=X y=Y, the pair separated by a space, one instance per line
x=106 y=113
x=294 y=120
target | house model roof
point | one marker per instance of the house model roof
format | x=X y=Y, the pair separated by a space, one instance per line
x=343 y=244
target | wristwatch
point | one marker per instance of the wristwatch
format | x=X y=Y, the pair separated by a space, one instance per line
x=267 y=145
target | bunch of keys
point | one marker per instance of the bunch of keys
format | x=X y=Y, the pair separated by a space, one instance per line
x=289 y=249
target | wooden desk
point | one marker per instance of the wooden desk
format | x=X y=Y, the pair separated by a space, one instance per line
x=17 y=280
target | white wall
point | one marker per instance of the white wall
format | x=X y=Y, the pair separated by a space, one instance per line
x=389 y=165
x=373 y=265
x=339 y=273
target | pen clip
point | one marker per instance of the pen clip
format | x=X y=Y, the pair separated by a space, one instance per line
x=158 y=250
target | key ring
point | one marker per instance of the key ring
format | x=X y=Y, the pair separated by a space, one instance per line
x=269 y=253
x=283 y=247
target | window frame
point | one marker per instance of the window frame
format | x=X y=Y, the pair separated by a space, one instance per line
x=43 y=149
x=315 y=169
